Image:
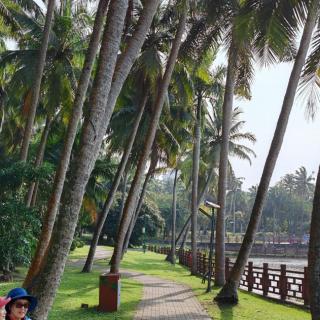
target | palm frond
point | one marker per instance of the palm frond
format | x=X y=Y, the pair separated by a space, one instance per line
x=309 y=89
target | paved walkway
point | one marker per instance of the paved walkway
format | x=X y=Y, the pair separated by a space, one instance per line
x=166 y=300
x=162 y=299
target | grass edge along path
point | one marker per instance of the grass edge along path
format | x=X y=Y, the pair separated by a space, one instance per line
x=250 y=307
x=77 y=288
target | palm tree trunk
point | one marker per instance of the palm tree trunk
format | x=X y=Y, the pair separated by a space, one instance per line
x=1 y=108
x=114 y=187
x=40 y=155
x=314 y=254
x=37 y=81
x=186 y=224
x=185 y=236
x=195 y=179
x=121 y=72
x=135 y=186
x=233 y=210
x=172 y=255
x=54 y=201
x=229 y=291
x=137 y=212
x=134 y=217
x=200 y=198
x=128 y=57
x=34 y=195
x=92 y=135
x=124 y=190
x=223 y=167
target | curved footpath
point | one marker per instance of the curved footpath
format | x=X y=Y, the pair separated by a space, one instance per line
x=162 y=299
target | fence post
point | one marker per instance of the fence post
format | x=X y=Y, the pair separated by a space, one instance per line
x=305 y=287
x=203 y=264
x=250 y=276
x=283 y=282
x=189 y=259
x=181 y=256
x=198 y=262
x=265 y=279
x=227 y=269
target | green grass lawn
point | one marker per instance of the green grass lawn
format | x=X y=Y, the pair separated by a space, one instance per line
x=77 y=288
x=251 y=306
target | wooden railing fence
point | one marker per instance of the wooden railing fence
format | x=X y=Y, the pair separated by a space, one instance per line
x=282 y=284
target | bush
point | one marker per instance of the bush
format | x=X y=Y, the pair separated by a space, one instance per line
x=76 y=243
x=19 y=229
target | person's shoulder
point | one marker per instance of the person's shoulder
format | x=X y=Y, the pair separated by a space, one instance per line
x=27 y=318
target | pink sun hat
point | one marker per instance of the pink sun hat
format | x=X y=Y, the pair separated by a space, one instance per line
x=4 y=301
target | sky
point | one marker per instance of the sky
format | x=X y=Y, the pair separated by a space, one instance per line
x=301 y=145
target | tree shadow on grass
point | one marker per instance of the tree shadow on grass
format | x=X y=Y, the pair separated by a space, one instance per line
x=92 y=313
x=226 y=311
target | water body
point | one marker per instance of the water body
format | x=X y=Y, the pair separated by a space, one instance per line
x=275 y=262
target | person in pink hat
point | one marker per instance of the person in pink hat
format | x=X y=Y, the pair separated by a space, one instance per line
x=3 y=312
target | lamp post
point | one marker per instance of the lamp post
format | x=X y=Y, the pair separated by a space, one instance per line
x=144 y=245
x=212 y=206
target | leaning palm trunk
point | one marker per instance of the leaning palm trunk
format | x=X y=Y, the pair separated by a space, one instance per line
x=135 y=186
x=184 y=239
x=195 y=180
x=39 y=158
x=223 y=166
x=124 y=189
x=114 y=187
x=1 y=110
x=172 y=255
x=61 y=171
x=134 y=217
x=200 y=199
x=122 y=70
x=229 y=293
x=94 y=129
x=41 y=60
x=314 y=254
x=92 y=135
x=137 y=212
x=183 y=229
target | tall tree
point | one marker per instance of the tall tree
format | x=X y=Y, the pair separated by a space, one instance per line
x=37 y=81
x=303 y=182
x=111 y=194
x=223 y=165
x=172 y=256
x=53 y=203
x=92 y=134
x=158 y=105
x=39 y=157
x=95 y=125
x=137 y=210
x=314 y=254
x=195 y=182
x=229 y=291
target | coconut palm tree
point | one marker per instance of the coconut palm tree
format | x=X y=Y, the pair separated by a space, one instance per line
x=37 y=81
x=158 y=105
x=115 y=183
x=314 y=254
x=94 y=129
x=49 y=217
x=303 y=183
x=229 y=291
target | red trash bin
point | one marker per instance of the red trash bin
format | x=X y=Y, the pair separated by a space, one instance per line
x=109 y=292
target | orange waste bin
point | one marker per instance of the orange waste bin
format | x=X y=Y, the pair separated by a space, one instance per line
x=109 y=292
